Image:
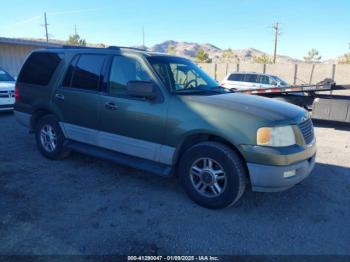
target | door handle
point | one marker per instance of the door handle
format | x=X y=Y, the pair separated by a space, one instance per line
x=111 y=106
x=59 y=97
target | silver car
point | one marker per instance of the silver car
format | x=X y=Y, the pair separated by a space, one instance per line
x=247 y=80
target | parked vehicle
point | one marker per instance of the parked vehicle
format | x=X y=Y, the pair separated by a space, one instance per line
x=246 y=81
x=7 y=89
x=163 y=114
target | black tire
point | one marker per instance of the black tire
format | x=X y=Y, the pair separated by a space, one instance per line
x=232 y=164
x=59 y=152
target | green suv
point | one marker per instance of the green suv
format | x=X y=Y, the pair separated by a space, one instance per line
x=164 y=115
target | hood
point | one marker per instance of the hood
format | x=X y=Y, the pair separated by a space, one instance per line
x=261 y=107
x=4 y=86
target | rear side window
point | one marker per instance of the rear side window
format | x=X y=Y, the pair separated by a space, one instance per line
x=251 y=78
x=84 y=72
x=236 y=77
x=39 y=68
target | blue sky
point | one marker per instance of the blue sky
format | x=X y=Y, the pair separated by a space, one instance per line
x=305 y=24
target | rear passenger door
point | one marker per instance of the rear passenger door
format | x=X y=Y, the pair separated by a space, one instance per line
x=78 y=98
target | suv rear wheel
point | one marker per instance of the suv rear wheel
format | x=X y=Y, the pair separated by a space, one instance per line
x=213 y=175
x=50 y=138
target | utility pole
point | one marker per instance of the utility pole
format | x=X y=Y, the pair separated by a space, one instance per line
x=46 y=31
x=277 y=33
x=143 y=37
x=75 y=30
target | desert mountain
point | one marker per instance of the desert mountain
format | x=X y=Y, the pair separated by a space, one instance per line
x=190 y=50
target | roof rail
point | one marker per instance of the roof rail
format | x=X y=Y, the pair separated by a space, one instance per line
x=125 y=47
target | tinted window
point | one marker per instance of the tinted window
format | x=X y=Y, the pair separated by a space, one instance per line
x=84 y=72
x=265 y=80
x=236 y=77
x=39 y=68
x=68 y=78
x=123 y=70
x=4 y=76
x=251 y=78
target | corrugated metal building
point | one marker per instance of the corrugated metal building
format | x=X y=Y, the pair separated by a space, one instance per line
x=14 y=51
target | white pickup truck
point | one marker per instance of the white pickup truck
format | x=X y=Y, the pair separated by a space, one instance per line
x=7 y=91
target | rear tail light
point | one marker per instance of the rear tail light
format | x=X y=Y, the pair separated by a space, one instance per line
x=17 y=94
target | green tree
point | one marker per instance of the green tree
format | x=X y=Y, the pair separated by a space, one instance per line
x=76 y=40
x=346 y=58
x=171 y=50
x=263 y=59
x=202 y=57
x=229 y=56
x=313 y=56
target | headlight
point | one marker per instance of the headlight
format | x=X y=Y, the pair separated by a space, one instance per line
x=276 y=136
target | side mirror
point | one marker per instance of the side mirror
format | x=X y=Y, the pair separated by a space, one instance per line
x=15 y=77
x=141 y=89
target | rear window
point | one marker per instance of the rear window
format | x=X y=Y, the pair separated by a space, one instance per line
x=39 y=68
x=236 y=77
x=84 y=72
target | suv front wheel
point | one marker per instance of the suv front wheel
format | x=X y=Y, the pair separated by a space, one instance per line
x=50 y=138
x=213 y=175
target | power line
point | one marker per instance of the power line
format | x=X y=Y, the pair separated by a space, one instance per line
x=277 y=33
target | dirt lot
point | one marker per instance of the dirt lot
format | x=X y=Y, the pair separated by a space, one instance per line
x=86 y=206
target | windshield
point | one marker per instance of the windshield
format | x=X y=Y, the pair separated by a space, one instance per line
x=5 y=77
x=180 y=74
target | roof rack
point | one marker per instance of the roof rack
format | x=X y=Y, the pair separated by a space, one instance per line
x=125 y=47
x=90 y=47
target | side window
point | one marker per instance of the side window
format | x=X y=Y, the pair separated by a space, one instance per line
x=264 y=80
x=84 y=72
x=123 y=70
x=39 y=68
x=251 y=78
x=236 y=77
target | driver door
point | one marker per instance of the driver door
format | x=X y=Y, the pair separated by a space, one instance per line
x=130 y=125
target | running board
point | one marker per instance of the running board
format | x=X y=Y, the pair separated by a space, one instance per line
x=122 y=159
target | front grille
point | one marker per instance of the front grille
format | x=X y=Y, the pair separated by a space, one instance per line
x=6 y=94
x=307 y=129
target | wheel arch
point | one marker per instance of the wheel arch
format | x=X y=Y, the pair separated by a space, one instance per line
x=195 y=138
x=38 y=113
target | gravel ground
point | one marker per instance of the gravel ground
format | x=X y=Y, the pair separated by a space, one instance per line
x=87 y=206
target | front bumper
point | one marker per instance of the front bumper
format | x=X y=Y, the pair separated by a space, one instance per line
x=265 y=178
x=7 y=104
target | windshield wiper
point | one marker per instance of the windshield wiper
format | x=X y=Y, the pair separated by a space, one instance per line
x=197 y=90
x=229 y=90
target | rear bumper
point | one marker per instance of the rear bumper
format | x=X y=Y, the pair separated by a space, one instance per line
x=23 y=118
x=265 y=178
